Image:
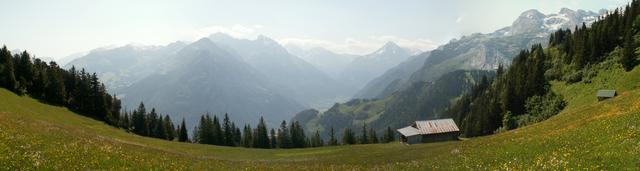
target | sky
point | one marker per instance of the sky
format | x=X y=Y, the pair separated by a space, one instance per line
x=63 y=27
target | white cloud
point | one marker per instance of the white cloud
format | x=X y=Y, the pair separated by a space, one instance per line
x=459 y=19
x=360 y=46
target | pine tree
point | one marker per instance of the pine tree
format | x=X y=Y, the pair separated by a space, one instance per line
x=389 y=135
x=284 y=138
x=169 y=127
x=247 y=138
x=298 y=139
x=373 y=137
x=217 y=134
x=348 y=137
x=261 y=139
x=55 y=91
x=182 y=133
x=139 y=120
x=124 y=122
x=316 y=140
x=272 y=138
x=152 y=124
x=332 y=138
x=161 y=128
x=7 y=70
x=227 y=131
x=364 y=138
x=238 y=136
x=628 y=59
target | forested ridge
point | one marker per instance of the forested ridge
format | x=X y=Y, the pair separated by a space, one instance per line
x=521 y=95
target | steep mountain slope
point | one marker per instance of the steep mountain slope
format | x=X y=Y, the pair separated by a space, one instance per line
x=423 y=100
x=363 y=69
x=301 y=80
x=393 y=79
x=327 y=61
x=482 y=51
x=206 y=78
x=120 y=67
x=587 y=135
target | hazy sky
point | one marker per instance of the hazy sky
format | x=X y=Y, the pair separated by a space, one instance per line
x=59 y=28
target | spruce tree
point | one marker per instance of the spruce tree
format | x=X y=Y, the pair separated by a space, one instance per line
x=7 y=70
x=227 y=131
x=332 y=138
x=284 y=138
x=272 y=138
x=628 y=59
x=247 y=139
x=217 y=134
x=348 y=137
x=169 y=127
x=182 y=133
x=261 y=139
x=389 y=135
x=373 y=137
x=364 y=138
x=138 y=119
x=316 y=140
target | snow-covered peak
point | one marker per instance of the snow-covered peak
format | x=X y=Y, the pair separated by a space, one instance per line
x=532 y=21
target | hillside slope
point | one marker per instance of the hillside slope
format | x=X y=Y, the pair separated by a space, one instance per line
x=587 y=134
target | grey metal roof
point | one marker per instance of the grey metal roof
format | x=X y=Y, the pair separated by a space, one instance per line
x=606 y=93
x=408 y=131
x=430 y=127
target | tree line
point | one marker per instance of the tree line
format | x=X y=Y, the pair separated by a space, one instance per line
x=521 y=95
x=211 y=130
x=79 y=91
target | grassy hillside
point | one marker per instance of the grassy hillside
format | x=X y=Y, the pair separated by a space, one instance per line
x=587 y=134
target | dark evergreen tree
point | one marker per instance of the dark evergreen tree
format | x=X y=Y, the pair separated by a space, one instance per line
x=348 y=137
x=247 y=138
x=182 y=133
x=364 y=137
x=227 y=131
x=389 y=135
x=284 y=137
x=332 y=138
x=316 y=140
x=217 y=134
x=261 y=139
x=139 y=120
x=169 y=127
x=272 y=138
x=7 y=70
x=628 y=60
x=373 y=137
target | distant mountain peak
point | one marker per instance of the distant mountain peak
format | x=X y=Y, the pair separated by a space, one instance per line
x=390 y=44
x=532 y=14
x=390 y=47
x=566 y=11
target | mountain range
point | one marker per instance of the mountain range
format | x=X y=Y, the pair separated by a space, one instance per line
x=424 y=85
x=477 y=51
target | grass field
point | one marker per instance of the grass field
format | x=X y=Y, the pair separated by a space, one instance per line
x=587 y=134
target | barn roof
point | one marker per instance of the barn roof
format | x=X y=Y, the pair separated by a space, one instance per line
x=430 y=127
x=606 y=93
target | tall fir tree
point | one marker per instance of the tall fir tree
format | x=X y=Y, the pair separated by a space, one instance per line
x=182 y=133
x=332 y=138
x=348 y=137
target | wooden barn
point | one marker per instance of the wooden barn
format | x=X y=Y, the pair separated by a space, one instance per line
x=429 y=131
x=605 y=94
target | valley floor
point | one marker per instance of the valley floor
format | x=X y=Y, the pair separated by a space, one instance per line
x=587 y=134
